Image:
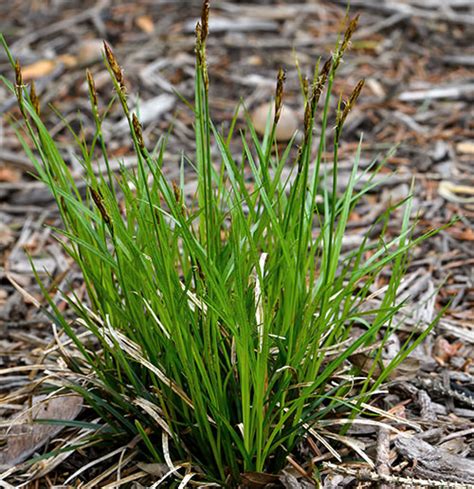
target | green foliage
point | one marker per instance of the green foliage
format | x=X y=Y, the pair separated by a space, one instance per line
x=221 y=328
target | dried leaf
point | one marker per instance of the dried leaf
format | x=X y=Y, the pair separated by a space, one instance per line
x=462 y=234
x=460 y=194
x=289 y=481
x=465 y=147
x=258 y=479
x=68 y=60
x=37 y=70
x=26 y=437
x=145 y=23
x=10 y=175
x=444 y=350
x=408 y=368
x=157 y=470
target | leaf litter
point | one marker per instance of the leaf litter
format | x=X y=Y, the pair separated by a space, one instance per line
x=419 y=96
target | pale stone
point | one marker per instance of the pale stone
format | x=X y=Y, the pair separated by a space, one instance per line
x=286 y=127
x=90 y=51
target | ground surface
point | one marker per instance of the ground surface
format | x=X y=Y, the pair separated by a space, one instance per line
x=417 y=57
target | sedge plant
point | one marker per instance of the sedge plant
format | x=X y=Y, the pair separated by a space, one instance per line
x=221 y=327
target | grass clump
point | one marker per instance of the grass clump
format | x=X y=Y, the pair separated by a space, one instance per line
x=222 y=329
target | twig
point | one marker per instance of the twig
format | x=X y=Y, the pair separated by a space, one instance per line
x=392 y=7
x=383 y=454
x=62 y=25
x=371 y=476
x=455 y=92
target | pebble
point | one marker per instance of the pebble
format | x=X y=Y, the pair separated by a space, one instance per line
x=286 y=127
x=90 y=51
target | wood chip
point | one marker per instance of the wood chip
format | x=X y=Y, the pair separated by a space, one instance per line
x=435 y=462
x=37 y=70
x=145 y=23
x=25 y=437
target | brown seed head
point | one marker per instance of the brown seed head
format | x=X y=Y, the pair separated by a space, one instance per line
x=319 y=84
x=206 y=4
x=307 y=119
x=279 y=95
x=34 y=98
x=345 y=41
x=99 y=202
x=354 y=96
x=349 y=31
x=355 y=93
x=305 y=87
x=92 y=90
x=342 y=115
x=18 y=75
x=138 y=131
x=198 y=35
x=299 y=159
x=177 y=192
x=316 y=90
x=324 y=73
x=19 y=84
x=114 y=66
x=200 y=48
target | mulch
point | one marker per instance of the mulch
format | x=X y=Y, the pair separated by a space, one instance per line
x=417 y=57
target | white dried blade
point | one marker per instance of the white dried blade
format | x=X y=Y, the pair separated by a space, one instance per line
x=166 y=451
x=154 y=412
x=356 y=445
x=186 y=479
x=258 y=300
x=156 y=319
x=393 y=417
x=126 y=480
x=25 y=294
x=165 y=476
x=22 y=368
x=44 y=467
x=357 y=421
x=93 y=463
x=325 y=443
x=194 y=301
x=4 y=475
x=114 y=338
x=61 y=343
x=109 y=471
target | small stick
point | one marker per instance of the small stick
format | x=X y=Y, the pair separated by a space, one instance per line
x=383 y=454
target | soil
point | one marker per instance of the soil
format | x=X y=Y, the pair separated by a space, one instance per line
x=417 y=59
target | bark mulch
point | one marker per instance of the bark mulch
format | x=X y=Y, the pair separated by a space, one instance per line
x=417 y=57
